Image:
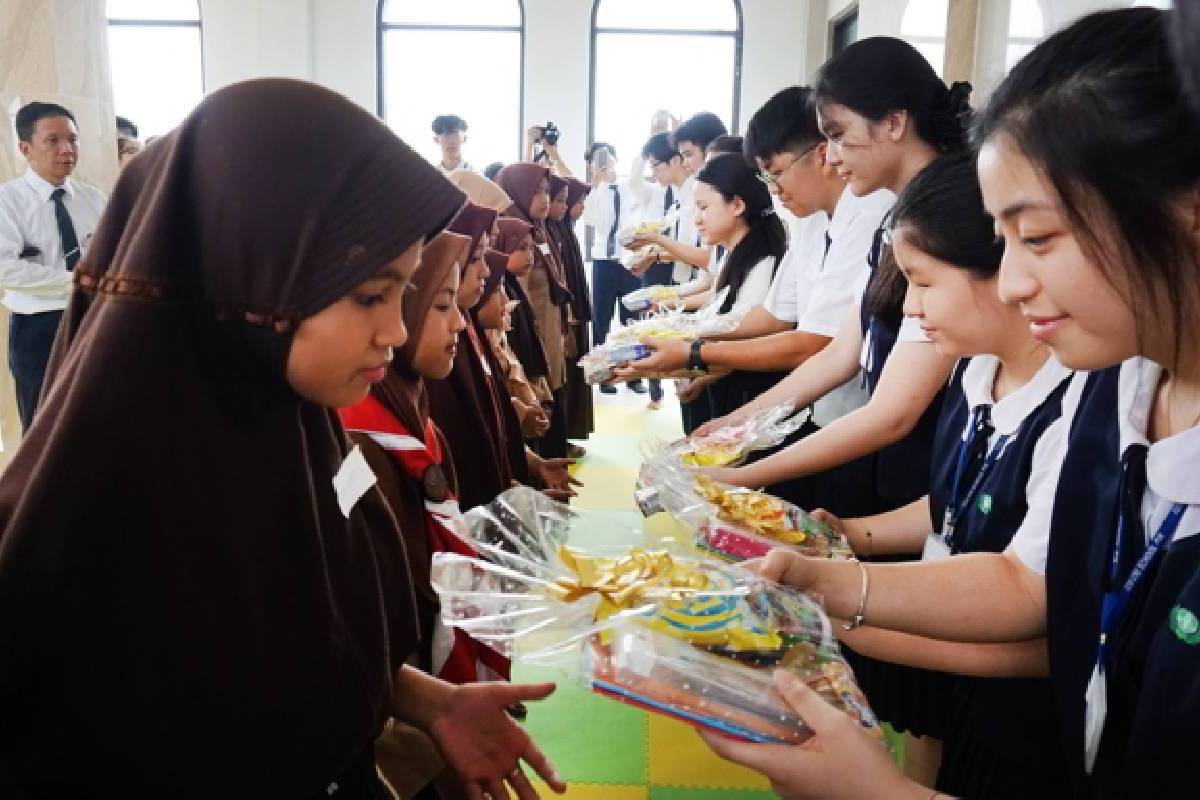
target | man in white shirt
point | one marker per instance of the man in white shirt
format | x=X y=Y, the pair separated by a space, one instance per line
x=814 y=285
x=450 y=133
x=610 y=207
x=46 y=222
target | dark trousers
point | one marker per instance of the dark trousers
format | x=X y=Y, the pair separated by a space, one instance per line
x=660 y=273
x=610 y=281
x=30 y=337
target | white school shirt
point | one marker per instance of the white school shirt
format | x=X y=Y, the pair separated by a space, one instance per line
x=448 y=172
x=652 y=198
x=1008 y=413
x=824 y=285
x=41 y=282
x=598 y=211
x=756 y=285
x=1172 y=465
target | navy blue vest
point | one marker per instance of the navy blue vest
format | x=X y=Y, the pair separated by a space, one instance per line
x=901 y=468
x=1000 y=736
x=1151 y=739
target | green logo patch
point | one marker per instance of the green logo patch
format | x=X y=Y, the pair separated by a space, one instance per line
x=1185 y=625
x=984 y=504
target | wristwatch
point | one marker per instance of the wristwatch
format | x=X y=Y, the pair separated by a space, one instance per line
x=695 y=362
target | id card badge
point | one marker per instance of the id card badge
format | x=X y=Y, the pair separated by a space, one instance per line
x=935 y=548
x=1095 y=699
x=545 y=248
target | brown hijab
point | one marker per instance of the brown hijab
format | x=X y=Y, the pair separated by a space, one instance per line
x=497 y=264
x=523 y=338
x=473 y=221
x=183 y=606
x=520 y=181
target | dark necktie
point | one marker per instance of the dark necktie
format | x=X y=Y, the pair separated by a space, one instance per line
x=979 y=440
x=1130 y=490
x=825 y=255
x=612 y=234
x=66 y=230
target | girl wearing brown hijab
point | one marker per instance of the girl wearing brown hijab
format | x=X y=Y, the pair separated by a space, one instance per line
x=580 y=417
x=529 y=187
x=201 y=593
x=494 y=314
x=515 y=238
x=464 y=404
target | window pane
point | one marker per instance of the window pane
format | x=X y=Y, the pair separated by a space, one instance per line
x=458 y=12
x=934 y=52
x=1025 y=19
x=156 y=73
x=925 y=18
x=1015 y=52
x=692 y=15
x=153 y=9
x=626 y=97
x=479 y=79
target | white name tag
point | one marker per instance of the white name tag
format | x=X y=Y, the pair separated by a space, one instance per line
x=1095 y=698
x=353 y=480
x=935 y=548
x=545 y=248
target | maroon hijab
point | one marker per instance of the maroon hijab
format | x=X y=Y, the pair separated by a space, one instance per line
x=473 y=221
x=520 y=181
x=184 y=608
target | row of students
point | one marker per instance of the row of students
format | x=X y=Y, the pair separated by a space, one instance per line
x=227 y=586
x=1066 y=501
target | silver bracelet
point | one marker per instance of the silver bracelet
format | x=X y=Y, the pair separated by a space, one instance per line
x=860 y=616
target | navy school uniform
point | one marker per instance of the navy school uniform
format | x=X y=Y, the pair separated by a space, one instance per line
x=1149 y=741
x=1000 y=739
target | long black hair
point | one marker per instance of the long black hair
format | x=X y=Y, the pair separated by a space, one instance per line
x=1099 y=109
x=876 y=76
x=940 y=212
x=731 y=176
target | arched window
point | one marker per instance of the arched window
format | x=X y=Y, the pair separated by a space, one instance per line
x=684 y=56
x=157 y=66
x=460 y=57
x=1026 y=27
x=924 y=27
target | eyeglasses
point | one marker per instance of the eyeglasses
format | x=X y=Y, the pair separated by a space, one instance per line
x=772 y=180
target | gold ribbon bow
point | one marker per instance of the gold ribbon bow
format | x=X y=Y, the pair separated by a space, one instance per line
x=622 y=583
x=757 y=511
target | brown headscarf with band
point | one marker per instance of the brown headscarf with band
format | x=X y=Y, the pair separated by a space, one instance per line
x=520 y=182
x=497 y=264
x=580 y=415
x=473 y=221
x=523 y=338
x=480 y=190
x=576 y=191
x=184 y=607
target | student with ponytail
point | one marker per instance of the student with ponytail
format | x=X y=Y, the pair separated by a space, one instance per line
x=1090 y=169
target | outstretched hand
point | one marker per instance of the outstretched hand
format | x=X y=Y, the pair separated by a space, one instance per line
x=840 y=762
x=484 y=746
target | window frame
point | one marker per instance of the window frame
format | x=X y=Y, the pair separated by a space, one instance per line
x=382 y=27
x=197 y=23
x=736 y=35
x=1022 y=41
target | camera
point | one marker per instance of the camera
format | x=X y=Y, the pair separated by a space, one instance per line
x=550 y=134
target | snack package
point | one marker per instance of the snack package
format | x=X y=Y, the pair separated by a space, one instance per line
x=692 y=638
x=624 y=343
x=746 y=523
x=647 y=296
x=627 y=234
x=729 y=446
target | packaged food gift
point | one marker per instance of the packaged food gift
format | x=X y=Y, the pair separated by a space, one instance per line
x=731 y=445
x=694 y=639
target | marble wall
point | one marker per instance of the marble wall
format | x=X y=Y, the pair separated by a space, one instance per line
x=55 y=51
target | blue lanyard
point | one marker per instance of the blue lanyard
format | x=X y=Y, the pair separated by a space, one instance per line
x=956 y=509
x=1116 y=603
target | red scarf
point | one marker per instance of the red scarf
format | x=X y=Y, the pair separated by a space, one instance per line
x=457 y=657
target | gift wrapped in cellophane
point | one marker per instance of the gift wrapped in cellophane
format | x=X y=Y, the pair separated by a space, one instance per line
x=624 y=344
x=730 y=446
x=641 y=299
x=691 y=638
x=731 y=522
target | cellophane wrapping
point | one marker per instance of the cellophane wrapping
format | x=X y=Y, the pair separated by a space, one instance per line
x=691 y=638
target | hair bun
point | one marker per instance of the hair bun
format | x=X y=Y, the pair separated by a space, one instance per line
x=952 y=117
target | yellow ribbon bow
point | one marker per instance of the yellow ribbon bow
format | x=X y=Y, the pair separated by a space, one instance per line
x=757 y=511
x=622 y=583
